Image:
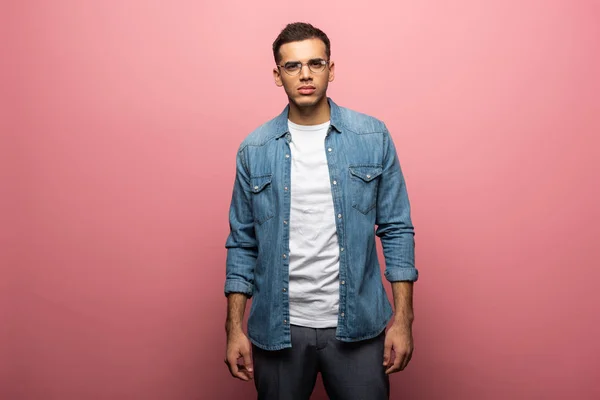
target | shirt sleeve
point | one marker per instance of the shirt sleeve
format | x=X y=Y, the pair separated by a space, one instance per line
x=241 y=244
x=393 y=220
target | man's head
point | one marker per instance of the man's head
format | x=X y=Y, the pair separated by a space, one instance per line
x=303 y=66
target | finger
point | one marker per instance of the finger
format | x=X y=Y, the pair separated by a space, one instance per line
x=406 y=361
x=243 y=372
x=387 y=353
x=232 y=367
x=397 y=362
x=247 y=362
x=235 y=370
x=240 y=373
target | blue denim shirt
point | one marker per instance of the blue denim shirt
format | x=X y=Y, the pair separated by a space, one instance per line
x=369 y=197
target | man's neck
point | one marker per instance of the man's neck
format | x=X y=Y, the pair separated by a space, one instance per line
x=318 y=114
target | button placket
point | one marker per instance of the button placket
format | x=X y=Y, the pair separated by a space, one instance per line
x=339 y=217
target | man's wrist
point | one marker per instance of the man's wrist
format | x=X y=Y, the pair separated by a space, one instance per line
x=233 y=326
x=403 y=320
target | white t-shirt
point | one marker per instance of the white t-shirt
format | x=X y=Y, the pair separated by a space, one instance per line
x=314 y=250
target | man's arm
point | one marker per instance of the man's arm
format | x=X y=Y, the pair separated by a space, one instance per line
x=238 y=345
x=395 y=229
x=399 y=336
x=236 y=305
x=242 y=251
x=403 y=303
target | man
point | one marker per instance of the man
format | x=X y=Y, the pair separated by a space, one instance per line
x=311 y=186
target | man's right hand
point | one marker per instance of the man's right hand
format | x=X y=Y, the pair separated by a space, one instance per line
x=238 y=347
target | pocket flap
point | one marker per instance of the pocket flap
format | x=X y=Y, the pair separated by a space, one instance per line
x=366 y=172
x=260 y=182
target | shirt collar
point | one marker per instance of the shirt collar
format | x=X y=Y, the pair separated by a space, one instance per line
x=281 y=121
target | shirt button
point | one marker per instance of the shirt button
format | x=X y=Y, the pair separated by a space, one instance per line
x=284 y=256
x=343 y=314
x=287 y=156
x=330 y=149
x=285 y=188
x=343 y=282
x=255 y=187
x=335 y=182
x=285 y=321
x=339 y=215
x=368 y=176
x=284 y=290
x=342 y=249
x=285 y=222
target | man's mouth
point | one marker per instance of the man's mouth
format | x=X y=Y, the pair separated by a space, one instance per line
x=306 y=89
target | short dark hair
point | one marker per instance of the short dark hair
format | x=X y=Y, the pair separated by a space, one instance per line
x=296 y=32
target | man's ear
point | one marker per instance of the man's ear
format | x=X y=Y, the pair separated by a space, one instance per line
x=277 y=77
x=331 y=71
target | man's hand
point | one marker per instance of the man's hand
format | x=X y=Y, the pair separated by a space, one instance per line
x=399 y=339
x=238 y=347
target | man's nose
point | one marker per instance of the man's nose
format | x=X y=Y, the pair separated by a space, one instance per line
x=305 y=72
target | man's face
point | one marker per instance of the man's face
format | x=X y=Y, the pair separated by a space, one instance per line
x=305 y=88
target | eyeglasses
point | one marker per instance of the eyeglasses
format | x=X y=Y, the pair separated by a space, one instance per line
x=293 y=68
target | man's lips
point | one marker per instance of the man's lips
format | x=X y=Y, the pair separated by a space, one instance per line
x=306 y=89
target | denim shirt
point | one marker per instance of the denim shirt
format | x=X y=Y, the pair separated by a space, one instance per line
x=369 y=197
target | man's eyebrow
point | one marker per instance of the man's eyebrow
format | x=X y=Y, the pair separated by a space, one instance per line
x=310 y=59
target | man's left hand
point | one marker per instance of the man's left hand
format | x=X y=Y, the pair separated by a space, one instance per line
x=399 y=339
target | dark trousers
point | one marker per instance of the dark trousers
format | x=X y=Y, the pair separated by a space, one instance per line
x=350 y=371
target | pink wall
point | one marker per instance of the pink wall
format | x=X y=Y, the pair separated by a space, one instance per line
x=119 y=157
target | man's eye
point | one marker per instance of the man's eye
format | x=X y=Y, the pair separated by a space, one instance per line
x=316 y=63
x=291 y=66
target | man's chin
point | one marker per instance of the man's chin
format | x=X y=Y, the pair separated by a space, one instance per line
x=307 y=101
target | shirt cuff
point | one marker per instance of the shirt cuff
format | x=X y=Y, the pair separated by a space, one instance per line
x=402 y=274
x=237 y=286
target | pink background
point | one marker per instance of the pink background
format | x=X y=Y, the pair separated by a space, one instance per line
x=120 y=122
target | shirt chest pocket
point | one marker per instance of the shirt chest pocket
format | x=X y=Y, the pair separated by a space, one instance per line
x=263 y=207
x=364 y=181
